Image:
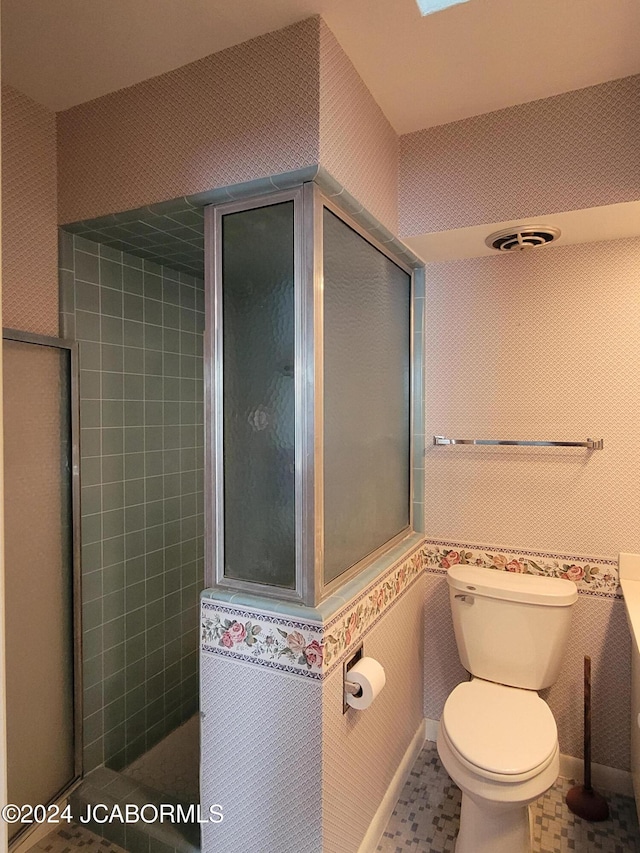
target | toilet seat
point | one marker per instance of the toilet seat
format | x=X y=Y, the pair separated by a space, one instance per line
x=499 y=731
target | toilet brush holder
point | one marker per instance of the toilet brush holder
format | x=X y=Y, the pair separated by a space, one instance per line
x=582 y=800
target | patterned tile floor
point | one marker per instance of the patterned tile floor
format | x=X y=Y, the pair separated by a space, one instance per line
x=73 y=838
x=425 y=819
x=173 y=765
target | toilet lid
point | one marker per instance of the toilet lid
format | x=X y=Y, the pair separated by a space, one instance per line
x=500 y=729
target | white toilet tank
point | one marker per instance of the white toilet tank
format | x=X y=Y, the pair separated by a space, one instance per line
x=510 y=628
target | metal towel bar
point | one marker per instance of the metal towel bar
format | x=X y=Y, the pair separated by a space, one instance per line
x=590 y=444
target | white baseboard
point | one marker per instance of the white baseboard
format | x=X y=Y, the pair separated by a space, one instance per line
x=602 y=777
x=386 y=807
x=608 y=778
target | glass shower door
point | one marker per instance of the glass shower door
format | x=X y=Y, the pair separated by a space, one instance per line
x=367 y=372
x=259 y=397
x=308 y=395
x=41 y=655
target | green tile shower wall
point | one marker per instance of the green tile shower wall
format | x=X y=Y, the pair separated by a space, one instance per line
x=140 y=331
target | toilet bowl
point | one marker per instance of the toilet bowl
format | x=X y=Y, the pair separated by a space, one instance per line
x=500 y=746
x=498 y=739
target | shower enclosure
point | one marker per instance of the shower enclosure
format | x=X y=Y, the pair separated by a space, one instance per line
x=308 y=362
x=245 y=374
x=139 y=326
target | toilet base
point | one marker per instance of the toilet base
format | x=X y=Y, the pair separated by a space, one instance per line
x=493 y=830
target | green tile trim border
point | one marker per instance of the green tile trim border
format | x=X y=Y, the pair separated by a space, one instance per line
x=311 y=643
x=340 y=196
x=326 y=610
x=300 y=643
x=170 y=232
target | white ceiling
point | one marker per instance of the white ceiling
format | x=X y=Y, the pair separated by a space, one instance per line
x=470 y=59
x=609 y=222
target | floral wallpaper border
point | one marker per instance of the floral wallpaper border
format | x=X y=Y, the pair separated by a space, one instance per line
x=597 y=576
x=313 y=650
x=265 y=639
x=305 y=648
x=358 y=617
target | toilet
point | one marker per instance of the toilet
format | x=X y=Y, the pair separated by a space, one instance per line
x=497 y=738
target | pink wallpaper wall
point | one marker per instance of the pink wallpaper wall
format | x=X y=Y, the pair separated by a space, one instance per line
x=29 y=223
x=276 y=103
x=539 y=345
x=327 y=770
x=247 y=112
x=261 y=757
x=362 y=750
x=572 y=151
x=358 y=146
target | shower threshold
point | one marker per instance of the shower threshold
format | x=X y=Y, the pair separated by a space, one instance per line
x=167 y=775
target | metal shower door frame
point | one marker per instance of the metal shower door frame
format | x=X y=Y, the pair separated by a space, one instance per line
x=76 y=605
x=310 y=586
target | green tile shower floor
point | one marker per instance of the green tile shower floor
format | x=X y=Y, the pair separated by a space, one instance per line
x=172 y=766
x=165 y=777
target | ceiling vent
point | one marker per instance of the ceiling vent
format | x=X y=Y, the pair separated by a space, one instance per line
x=517 y=239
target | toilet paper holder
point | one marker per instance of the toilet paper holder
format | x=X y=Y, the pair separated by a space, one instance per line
x=350 y=687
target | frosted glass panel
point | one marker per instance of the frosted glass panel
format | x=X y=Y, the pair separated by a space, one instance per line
x=38 y=576
x=366 y=397
x=258 y=411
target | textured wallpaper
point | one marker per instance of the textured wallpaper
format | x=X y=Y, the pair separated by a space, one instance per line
x=261 y=758
x=294 y=772
x=572 y=151
x=279 y=102
x=246 y=112
x=363 y=749
x=29 y=222
x=540 y=345
x=358 y=146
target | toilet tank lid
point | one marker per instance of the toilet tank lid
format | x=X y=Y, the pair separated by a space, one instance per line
x=512 y=586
